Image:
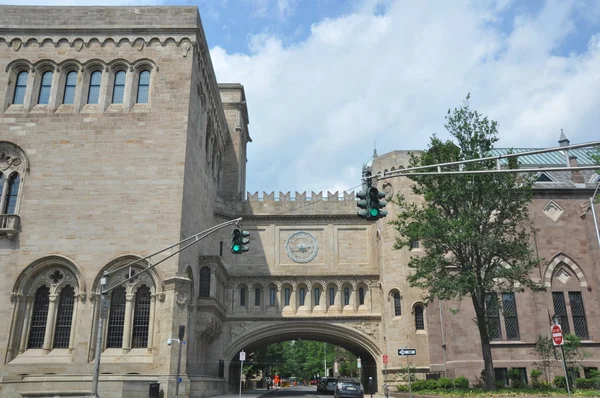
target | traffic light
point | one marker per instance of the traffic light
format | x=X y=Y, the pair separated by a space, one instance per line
x=363 y=203
x=239 y=241
x=376 y=204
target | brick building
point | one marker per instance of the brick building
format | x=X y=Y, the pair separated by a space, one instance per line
x=116 y=140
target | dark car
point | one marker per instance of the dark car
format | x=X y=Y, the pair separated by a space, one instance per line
x=349 y=387
x=327 y=385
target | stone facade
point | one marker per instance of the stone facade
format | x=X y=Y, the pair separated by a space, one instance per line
x=144 y=148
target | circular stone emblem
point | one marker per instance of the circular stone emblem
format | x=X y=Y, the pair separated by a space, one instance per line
x=302 y=247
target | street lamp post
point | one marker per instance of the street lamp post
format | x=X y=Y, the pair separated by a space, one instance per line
x=103 y=315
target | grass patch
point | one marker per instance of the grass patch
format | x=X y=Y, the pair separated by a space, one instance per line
x=507 y=392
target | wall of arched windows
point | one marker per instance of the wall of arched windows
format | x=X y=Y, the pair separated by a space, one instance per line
x=95 y=85
x=302 y=297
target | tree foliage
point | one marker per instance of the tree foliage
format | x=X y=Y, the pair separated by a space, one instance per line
x=544 y=350
x=475 y=227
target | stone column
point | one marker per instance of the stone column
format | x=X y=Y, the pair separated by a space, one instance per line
x=127 y=322
x=354 y=299
x=339 y=301
x=50 y=323
x=213 y=284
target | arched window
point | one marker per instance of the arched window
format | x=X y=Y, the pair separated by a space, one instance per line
x=302 y=296
x=94 y=88
x=39 y=317
x=116 y=319
x=286 y=296
x=361 y=296
x=397 y=304
x=243 y=297
x=346 y=296
x=143 y=88
x=118 y=87
x=317 y=296
x=70 y=85
x=272 y=296
x=331 y=296
x=257 y=297
x=141 y=318
x=62 y=331
x=20 y=88
x=419 y=320
x=45 y=87
x=11 y=192
x=204 y=282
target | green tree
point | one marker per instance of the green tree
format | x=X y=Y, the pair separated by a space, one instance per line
x=573 y=354
x=475 y=227
x=544 y=349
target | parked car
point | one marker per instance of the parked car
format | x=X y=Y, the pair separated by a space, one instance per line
x=347 y=387
x=327 y=385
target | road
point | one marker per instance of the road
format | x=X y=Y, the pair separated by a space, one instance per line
x=297 y=392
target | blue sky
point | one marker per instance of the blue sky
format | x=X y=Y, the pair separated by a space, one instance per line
x=324 y=79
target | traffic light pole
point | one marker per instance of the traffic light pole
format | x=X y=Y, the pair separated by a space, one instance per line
x=104 y=291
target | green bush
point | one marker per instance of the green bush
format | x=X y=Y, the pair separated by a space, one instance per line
x=514 y=375
x=445 y=383
x=535 y=378
x=402 y=388
x=461 y=382
x=545 y=386
x=586 y=384
x=559 y=382
x=500 y=384
x=419 y=385
x=594 y=374
x=431 y=384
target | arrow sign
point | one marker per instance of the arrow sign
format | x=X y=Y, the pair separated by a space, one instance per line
x=407 y=351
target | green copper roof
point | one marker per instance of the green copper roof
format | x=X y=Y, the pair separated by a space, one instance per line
x=549 y=158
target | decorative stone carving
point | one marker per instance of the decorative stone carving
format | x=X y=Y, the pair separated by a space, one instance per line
x=185 y=48
x=78 y=44
x=237 y=330
x=553 y=210
x=181 y=298
x=8 y=160
x=16 y=44
x=371 y=329
x=161 y=296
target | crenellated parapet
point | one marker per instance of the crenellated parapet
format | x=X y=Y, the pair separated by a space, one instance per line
x=300 y=203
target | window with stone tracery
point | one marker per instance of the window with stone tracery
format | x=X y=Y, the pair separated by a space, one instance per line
x=131 y=311
x=44 y=299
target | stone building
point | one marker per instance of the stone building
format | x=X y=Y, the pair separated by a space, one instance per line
x=116 y=141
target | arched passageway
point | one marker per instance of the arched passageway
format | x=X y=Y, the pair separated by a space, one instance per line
x=357 y=342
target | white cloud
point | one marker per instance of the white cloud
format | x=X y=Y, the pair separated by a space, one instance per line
x=316 y=107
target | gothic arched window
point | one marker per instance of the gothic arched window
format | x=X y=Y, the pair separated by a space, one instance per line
x=302 y=296
x=94 y=87
x=419 y=319
x=243 y=297
x=20 y=88
x=143 y=88
x=45 y=87
x=286 y=296
x=118 y=87
x=397 y=304
x=204 y=282
x=39 y=317
x=331 y=296
x=70 y=86
x=361 y=296
x=9 y=193
x=346 y=296
x=317 y=296
x=62 y=331
x=141 y=318
x=116 y=321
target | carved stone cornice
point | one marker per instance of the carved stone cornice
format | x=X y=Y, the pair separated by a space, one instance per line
x=309 y=318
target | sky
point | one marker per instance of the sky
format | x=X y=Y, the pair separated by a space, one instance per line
x=328 y=81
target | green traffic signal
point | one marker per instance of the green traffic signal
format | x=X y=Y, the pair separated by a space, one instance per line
x=373 y=212
x=239 y=240
x=376 y=204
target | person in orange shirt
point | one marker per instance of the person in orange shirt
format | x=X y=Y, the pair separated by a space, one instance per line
x=276 y=380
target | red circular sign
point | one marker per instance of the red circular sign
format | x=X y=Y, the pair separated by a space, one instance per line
x=557 y=336
x=385 y=359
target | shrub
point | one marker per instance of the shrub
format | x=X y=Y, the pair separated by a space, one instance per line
x=585 y=384
x=445 y=383
x=420 y=385
x=545 y=386
x=402 y=388
x=514 y=375
x=594 y=374
x=431 y=384
x=559 y=382
x=535 y=378
x=499 y=384
x=461 y=382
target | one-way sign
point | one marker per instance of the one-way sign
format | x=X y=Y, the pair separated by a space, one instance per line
x=407 y=351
